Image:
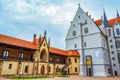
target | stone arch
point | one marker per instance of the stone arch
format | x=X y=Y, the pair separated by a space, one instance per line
x=43 y=55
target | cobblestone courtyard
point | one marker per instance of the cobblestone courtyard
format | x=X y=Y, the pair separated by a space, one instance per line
x=76 y=78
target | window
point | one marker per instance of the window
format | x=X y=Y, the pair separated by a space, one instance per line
x=75 y=60
x=112 y=52
x=75 y=45
x=57 y=59
x=51 y=59
x=74 y=33
x=118 y=57
x=114 y=65
x=86 y=30
x=10 y=66
x=75 y=69
x=113 y=58
x=69 y=60
x=44 y=44
x=109 y=32
x=110 y=40
x=84 y=44
x=73 y=25
x=26 y=69
x=49 y=69
x=21 y=56
x=117 y=31
x=118 y=44
x=5 y=54
x=79 y=17
x=111 y=46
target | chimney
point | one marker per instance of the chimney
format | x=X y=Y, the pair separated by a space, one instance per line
x=34 y=39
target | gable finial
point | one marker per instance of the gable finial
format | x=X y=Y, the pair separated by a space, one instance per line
x=45 y=33
x=79 y=5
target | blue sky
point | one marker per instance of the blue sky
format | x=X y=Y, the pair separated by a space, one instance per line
x=23 y=18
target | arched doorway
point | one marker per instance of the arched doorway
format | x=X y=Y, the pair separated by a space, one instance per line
x=115 y=73
x=43 y=55
x=42 y=69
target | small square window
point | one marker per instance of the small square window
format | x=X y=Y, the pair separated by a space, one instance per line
x=10 y=66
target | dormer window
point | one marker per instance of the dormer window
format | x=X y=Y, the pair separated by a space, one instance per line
x=86 y=30
x=74 y=33
x=5 y=54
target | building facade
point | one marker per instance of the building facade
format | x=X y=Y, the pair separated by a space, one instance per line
x=21 y=57
x=97 y=42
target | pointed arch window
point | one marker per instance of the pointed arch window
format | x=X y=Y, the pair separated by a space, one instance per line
x=118 y=31
x=74 y=33
x=86 y=30
x=5 y=54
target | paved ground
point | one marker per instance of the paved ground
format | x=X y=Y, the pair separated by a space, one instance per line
x=77 y=78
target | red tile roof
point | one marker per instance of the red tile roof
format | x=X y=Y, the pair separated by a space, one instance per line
x=58 y=51
x=17 y=42
x=111 y=21
x=63 y=52
x=31 y=45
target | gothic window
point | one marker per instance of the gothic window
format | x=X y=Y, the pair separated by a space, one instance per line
x=73 y=25
x=51 y=59
x=113 y=58
x=118 y=31
x=75 y=69
x=110 y=40
x=109 y=32
x=112 y=52
x=69 y=60
x=114 y=65
x=26 y=69
x=84 y=44
x=5 y=54
x=86 y=30
x=75 y=60
x=118 y=44
x=20 y=55
x=75 y=45
x=57 y=59
x=74 y=33
x=49 y=68
x=118 y=57
x=10 y=66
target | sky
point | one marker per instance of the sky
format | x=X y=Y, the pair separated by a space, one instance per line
x=24 y=18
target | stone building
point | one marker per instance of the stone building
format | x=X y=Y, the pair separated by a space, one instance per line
x=98 y=43
x=19 y=56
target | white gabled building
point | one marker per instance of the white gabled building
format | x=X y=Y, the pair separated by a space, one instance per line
x=96 y=43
